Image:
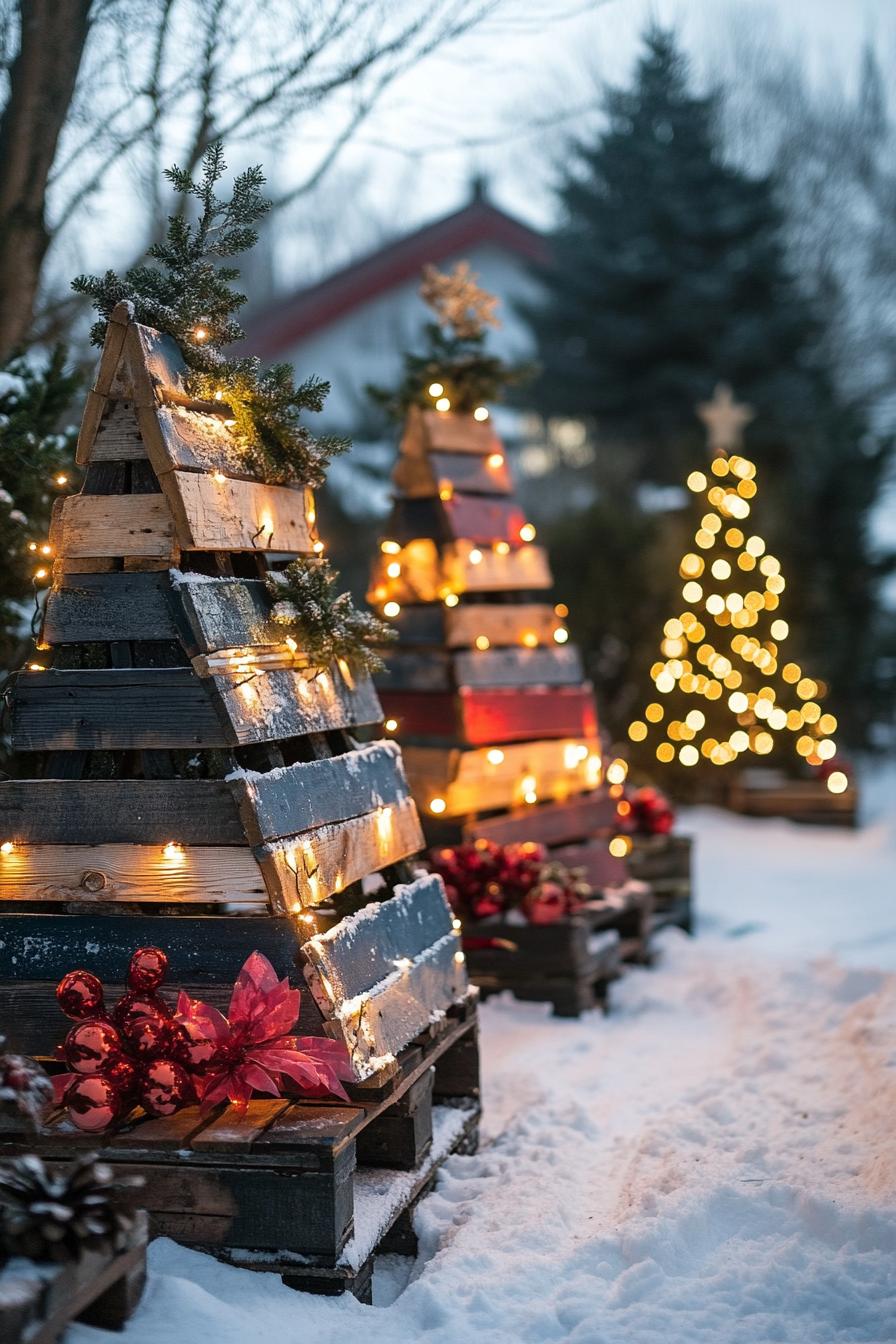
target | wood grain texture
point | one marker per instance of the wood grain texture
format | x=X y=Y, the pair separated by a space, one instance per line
x=228 y=613
x=315 y=793
x=83 y=608
x=134 y=811
x=306 y=869
x=279 y=704
x=118 y=438
x=502 y=624
x=234 y=515
x=468 y=781
x=114 y=525
x=111 y=873
x=478 y=717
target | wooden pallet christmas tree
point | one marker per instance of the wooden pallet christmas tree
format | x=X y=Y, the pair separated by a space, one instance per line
x=497 y=720
x=186 y=770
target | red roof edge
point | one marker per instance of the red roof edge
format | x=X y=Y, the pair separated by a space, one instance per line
x=295 y=318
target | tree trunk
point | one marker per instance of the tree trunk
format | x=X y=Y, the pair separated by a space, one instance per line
x=42 y=84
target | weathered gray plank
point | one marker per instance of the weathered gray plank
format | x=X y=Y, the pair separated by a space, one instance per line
x=315 y=793
x=286 y=703
x=519 y=667
x=83 y=608
x=137 y=811
x=406 y=670
x=228 y=613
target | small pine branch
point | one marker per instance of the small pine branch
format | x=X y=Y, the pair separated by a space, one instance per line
x=326 y=625
x=189 y=295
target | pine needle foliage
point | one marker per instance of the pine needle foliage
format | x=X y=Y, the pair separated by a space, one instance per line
x=326 y=625
x=189 y=296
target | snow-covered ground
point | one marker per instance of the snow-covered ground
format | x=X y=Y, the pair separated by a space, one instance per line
x=715 y=1161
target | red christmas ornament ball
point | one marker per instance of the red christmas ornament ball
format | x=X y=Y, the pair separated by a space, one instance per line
x=91 y=1047
x=148 y=968
x=546 y=904
x=134 y=1006
x=165 y=1087
x=151 y=1037
x=124 y=1075
x=80 y=994
x=93 y=1103
x=193 y=1048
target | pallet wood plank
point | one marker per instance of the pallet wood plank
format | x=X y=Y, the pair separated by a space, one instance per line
x=265 y=706
x=227 y=613
x=445 y=432
x=84 y=608
x=114 y=525
x=118 y=438
x=550 y=823
x=422 y=477
x=549 y=666
x=182 y=438
x=133 y=811
x=116 y=872
x=212 y=514
x=477 y=717
x=306 y=869
x=407 y=670
x=526 y=624
x=524 y=569
x=484 y=521
x=484 y=780
x=316 y=793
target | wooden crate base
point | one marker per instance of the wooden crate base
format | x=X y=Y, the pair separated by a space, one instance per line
x=39 y=1302
x=807 y=801
x=309 y=1189
x=664 y=863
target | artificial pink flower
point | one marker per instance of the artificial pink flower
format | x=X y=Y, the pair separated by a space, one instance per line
x=253 y=1051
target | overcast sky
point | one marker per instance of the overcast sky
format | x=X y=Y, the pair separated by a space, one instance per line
x=502 y=97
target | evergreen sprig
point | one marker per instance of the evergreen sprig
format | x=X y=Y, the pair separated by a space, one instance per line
x=468 y=375
x=325 y=624
x=189 y=296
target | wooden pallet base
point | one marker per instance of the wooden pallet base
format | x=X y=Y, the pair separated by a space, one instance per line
x=307 y=1188
x=39 y=1302
x=664 y=863
x=570 y=963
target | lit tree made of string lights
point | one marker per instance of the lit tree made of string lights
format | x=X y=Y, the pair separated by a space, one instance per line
x=725 y=686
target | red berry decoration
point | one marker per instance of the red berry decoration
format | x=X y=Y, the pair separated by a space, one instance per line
x=93 y=1103
x=148 y=968
x=80 y=994
x=165 y=1087
x=91 y=1047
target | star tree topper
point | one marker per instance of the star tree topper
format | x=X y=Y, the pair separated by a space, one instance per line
x=725 y=420
x=458 y=301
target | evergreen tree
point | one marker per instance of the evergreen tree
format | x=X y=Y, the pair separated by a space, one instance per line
x=669 y=276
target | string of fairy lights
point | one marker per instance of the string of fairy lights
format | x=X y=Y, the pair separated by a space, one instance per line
x=727 y=646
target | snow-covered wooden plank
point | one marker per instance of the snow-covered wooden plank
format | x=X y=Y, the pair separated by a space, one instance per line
x=180 y=437
x=384 y=974
x=213 y=514
x=575 y=818
x=84 y=608
x=315 y=793
x=114 y=525
x=306 y=869
x=191 y=873
x=227 y=613
x=264 y=706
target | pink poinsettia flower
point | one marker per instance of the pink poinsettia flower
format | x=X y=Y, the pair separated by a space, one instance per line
x=253 y=1050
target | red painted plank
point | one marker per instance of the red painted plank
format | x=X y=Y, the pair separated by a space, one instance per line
x=485 y=521
x=479 y=718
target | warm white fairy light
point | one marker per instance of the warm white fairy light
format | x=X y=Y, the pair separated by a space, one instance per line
x=391 y=610
x=480 y=413
x=495 y=460
x=437 y=805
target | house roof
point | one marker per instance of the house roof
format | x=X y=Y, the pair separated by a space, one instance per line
x=293 y=319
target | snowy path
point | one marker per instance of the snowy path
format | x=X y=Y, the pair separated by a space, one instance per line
x=714 y=1162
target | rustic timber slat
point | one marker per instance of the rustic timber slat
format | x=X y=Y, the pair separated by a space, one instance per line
x=114 y=525
x=315 y=793
x=419 y=478
x=180 y=438
x=421 y=577
x=445 y=432
x=94 y=407
x=132 y=811
x=477 y=717
x=484 y=780
x=101 y=607
x=114 y=708
x=159 y=356
x=234 y=515
x=526 y=624
x=228 y=613
x=270 y=705
x=117 y=872
x=549 y=666
x=406 y=670
x=118 y=437
x=484 y=521
x=523 y=569
x=113 y=346
x=306 y=869
x=553 y=823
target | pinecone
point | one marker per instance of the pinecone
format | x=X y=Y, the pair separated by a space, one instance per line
x=56 y=1214
x=25 y=1088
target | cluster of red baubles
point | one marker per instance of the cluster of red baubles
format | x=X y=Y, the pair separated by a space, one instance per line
x=484 y=880
x=648 y=812
x=134 y=1053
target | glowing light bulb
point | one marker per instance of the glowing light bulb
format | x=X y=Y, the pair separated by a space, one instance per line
x=527 y=532
x=200 y=334
x=482 y=642
x=46 y=549
x=502 y=547
x=688 y=754
x=446 y=493
x=696 y=481
x=443 y=404
x=40 y=573
x=561 y=635
x=637 y=730
x=62 y=479
x=391 y=609
x=475 y=556
x=173 y=851
x=435 y=389
x=495 y=756
x=451 y=599
x=393 y=569
x=437 y=805
x=390 y=548
x=32 y=545
x=318 y=548
x=219 y=477
x=390 y=725
x=7 y=847
x=480 y=413
x=36 y=667
x=620 y=846
x=495 y=460
x=837 y=782
x=219 y=395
